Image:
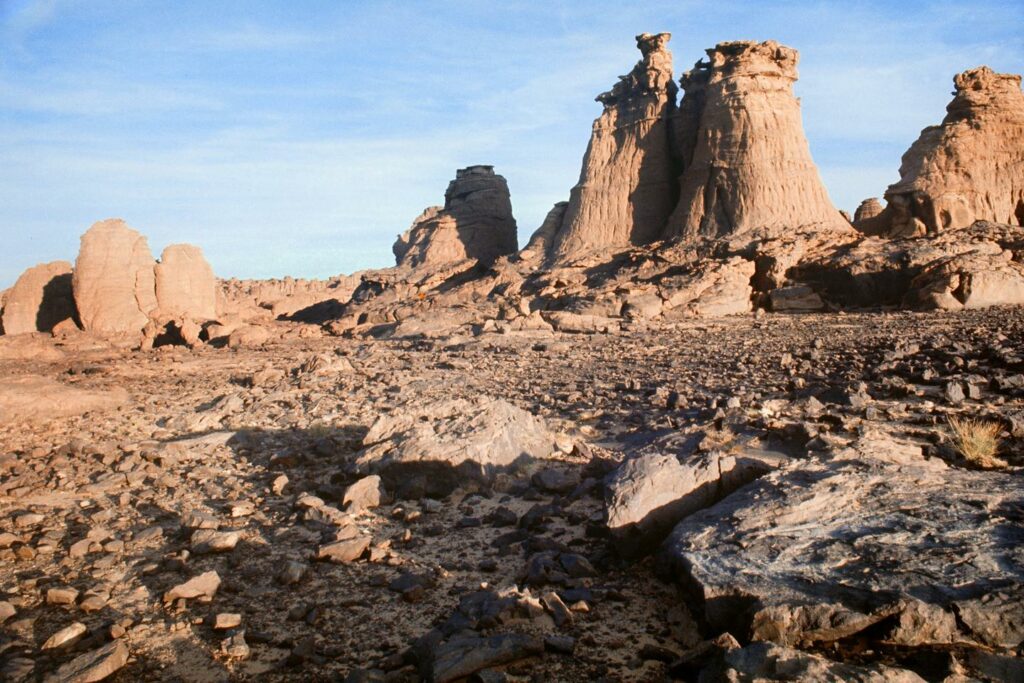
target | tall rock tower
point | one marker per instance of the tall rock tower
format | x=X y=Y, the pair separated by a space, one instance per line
x=739 y=135
x=627 y=186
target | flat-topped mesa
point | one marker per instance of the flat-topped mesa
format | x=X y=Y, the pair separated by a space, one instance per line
x=627 y=185
x=476 y=222
x=739 y=135
x=969 y=168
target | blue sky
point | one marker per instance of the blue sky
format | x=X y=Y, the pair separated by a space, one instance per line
x=301 y=137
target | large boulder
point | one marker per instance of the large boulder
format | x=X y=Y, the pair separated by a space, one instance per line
x=39 y=300
x=475 y=222
x=874 y=536
x=113 y=283
x=747 y=164
x=185 y=284
x=649 y=493
x=431 y=449
x=968 y=168
x=627 y=185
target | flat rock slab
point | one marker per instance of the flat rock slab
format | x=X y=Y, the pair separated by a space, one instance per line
x=204 y=585
x=824 y=548
x=429 y=450
x=464 y=655
x=92 y=666
x=36 y=399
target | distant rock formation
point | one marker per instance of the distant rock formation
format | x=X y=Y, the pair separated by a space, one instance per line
x=114 y=284
x=185 y=284
x=627 y=186
x=39 y=300
x=543 y=237
x=747 y=162
x=969 y=168
x=868 y=209
x=476 y=222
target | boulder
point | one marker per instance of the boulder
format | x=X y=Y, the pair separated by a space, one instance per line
x=543 y=237
x=740 y=139
x=113 y=282
x=968 y=168
x=185 y=284
x=431 y=449
x=39 y=300
x=475 y=223
x=868 y=209
x=653 y=490
x=875 y=534
x=627 y=185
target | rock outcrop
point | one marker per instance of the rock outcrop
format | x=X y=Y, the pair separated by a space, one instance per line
x=969 y=168
x=185 y=284
x=113 y=283
x=543 y=237
x=874 y=536
x=39 y=300
x=747 y=164
x=475 y=223
x=627 y=187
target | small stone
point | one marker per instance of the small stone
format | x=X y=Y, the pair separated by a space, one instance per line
x=61 y=596
x=210 y=541
x=66 y=636
x=364 y=494
x=203 y=586
x=226 y=620
x=235 y=647
x=197 y=519
x=28 y=519
x=279 y=483
x=954 y=392
x=6 y=611
x=292 y=572
x=344 y=551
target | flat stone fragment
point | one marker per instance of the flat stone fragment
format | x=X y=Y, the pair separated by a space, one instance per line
x=344 y=551
x=92 y=666
x=463 y=655
x=204 y=585
x=68 y=634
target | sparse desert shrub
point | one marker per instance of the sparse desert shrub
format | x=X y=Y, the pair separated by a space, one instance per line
x=977 y=441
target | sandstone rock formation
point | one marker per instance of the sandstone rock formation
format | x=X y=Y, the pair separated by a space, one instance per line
x=185 y=284
x=968 y=168
x=627 y=186
x=543 y=237
x=113 y=283
x=476 y=222
x=747 y=164
x=39 y=300
x=868 y=209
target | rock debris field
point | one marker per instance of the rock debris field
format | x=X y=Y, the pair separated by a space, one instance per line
x=223 y=515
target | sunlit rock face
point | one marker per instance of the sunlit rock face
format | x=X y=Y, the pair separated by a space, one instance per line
x=627 y=186
x=740 y=139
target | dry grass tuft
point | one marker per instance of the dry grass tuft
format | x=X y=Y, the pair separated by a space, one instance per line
x=977 y=441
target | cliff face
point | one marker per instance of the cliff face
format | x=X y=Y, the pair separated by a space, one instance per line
x=476 y=222
x=969 y=168
x=627 y=185
x=747 y=164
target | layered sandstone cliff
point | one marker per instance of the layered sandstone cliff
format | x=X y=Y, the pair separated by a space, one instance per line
x=627 y=186
x=475 y=223
x=747 y=164
x=969 y=168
